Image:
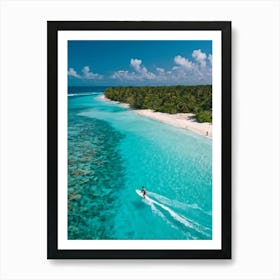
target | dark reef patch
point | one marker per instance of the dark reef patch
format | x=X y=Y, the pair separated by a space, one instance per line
x=95 y=173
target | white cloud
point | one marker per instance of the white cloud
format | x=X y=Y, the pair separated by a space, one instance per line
x=184 y=62
x=184 y=71
x=124 y=75
x=160 y=70
x=141 y=72
x=200 y=57
x=136 y=64
x=73 y=73
x=86 y=74
x=197 y=71
x=89 y=75
x=210 y=58
x=194 y=70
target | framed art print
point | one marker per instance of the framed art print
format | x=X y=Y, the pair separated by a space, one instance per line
x=139 y=140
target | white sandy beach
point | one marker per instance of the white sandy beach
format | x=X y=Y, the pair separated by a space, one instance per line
x=181 y=120
x=103 y=98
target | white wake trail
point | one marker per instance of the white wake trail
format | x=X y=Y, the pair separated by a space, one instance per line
x=176 y=203
x=179 y=218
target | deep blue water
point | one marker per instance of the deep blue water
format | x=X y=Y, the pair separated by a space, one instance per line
x=112 y=152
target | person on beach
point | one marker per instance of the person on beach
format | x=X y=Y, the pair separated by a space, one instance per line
x=144 y=192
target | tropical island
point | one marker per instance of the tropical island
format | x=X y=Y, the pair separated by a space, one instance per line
x=188 y=107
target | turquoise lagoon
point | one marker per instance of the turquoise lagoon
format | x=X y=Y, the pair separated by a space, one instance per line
x=112 y=151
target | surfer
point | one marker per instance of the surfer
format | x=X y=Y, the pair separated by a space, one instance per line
x=144 y=192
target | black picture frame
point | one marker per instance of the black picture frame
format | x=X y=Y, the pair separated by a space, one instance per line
x=53 y=27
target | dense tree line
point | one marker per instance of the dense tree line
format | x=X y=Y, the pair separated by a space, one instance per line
x=167 y=99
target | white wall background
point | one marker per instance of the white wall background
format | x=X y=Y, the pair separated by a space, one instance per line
x=255 y=139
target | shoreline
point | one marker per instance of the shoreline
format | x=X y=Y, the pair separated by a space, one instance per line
x=181 y=120
x=104 y=98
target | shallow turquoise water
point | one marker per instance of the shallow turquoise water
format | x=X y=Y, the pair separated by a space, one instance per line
x=111 y=152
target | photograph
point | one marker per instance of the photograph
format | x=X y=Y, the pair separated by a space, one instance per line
x=139 y=140
x=139 y=116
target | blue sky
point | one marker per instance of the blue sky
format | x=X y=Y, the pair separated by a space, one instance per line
x=97 y=63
